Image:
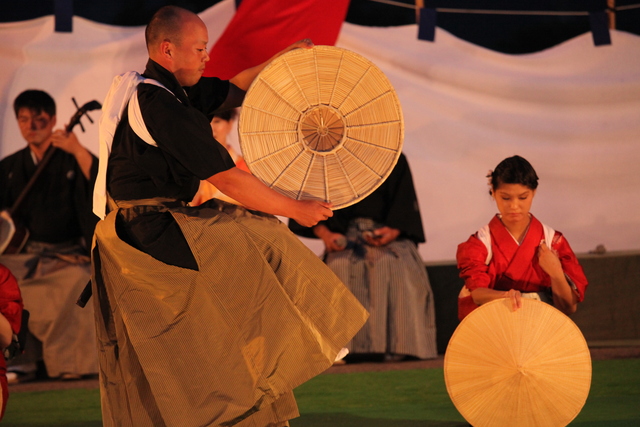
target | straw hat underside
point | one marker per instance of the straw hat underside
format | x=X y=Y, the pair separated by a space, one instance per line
x=530 y=367
x=321 y=123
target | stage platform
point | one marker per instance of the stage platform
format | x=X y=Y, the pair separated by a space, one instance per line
x=609 y=315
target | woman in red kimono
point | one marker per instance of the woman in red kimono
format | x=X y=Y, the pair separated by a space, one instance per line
x=10 y=319
x=516 y=256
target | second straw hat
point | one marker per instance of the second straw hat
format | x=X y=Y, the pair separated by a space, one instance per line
x=527 y=368
x=321 y=123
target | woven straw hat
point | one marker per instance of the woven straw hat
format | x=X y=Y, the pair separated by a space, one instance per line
x=529 y=367
x=321 y=123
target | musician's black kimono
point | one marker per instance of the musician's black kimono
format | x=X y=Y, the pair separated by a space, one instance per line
x=54 y=267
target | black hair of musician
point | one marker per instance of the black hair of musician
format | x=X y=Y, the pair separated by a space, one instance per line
x=36 y=101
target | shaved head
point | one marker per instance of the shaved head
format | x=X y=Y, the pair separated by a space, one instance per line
x=177 y=41
x=166 y=25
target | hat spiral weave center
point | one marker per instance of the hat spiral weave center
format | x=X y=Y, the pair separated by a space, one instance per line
x=322 y=128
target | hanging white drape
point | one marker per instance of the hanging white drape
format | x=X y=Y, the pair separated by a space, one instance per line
x=572 y=110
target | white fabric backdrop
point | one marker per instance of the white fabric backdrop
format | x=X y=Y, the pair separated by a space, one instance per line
x=573 y=111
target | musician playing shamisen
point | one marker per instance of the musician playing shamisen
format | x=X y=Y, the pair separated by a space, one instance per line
x=52 y=268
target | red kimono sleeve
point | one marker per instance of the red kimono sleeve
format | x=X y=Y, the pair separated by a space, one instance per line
x=11 y=308
x=570 y=265
x=471 y=257
x=10 y=298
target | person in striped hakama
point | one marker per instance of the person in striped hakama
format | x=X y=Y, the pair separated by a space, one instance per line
x=371 y=246
x=206 y=315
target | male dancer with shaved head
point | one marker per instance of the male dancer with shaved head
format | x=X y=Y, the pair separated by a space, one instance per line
x=207 y=315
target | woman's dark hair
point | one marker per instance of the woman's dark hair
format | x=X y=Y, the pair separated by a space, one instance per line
x=36 y=101
x=513 y=170
x=227 y=115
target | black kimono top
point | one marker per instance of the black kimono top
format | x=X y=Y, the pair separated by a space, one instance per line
x=58 y=207
x=179 y=123
x=393 y=204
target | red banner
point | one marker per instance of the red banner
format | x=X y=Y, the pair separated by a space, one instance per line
x=262 y=28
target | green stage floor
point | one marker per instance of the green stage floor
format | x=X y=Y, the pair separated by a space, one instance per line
x=397 y=398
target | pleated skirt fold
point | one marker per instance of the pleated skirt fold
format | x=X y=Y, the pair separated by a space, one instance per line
x=225 y=345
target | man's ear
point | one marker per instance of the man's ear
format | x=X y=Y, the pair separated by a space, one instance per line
x=166 y=48
x=53 y=121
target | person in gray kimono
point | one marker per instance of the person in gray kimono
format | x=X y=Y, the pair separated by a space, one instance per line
x=372 y=247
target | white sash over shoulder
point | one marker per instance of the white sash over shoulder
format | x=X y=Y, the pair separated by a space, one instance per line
x=123 y=87
x=484 y=235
